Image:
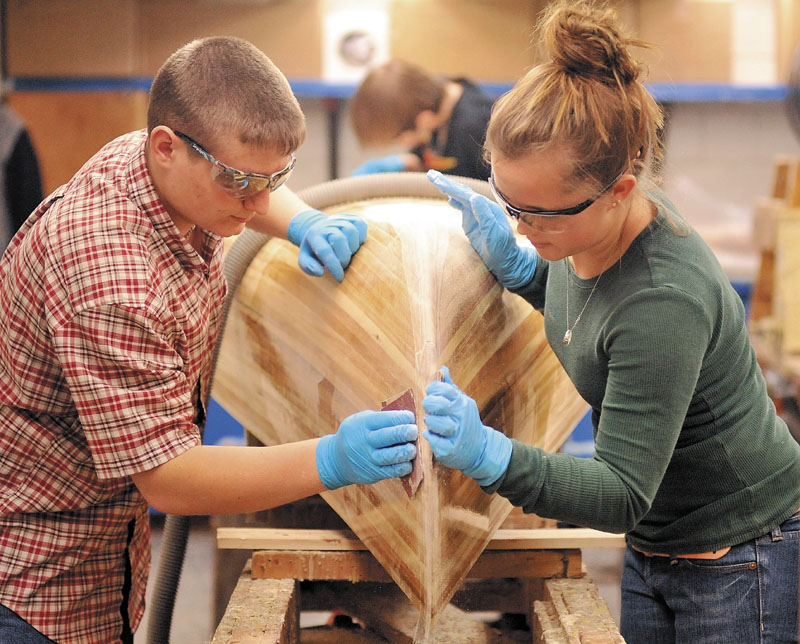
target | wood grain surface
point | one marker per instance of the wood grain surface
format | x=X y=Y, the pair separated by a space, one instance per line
x=301 y=353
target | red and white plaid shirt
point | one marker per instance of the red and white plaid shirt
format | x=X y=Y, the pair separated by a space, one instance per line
x=108 y=320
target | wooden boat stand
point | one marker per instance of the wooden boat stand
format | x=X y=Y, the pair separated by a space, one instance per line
x=535 y=572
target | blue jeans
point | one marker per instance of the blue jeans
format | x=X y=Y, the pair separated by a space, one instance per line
x=15 y=630
x=749 y=596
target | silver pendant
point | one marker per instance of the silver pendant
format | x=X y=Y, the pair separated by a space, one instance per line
x=567 y=338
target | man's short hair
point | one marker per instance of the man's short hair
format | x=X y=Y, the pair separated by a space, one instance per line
x=222 y=87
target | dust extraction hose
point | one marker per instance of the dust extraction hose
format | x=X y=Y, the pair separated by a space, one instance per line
x=238 y=258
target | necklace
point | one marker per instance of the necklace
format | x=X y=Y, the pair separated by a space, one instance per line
x=189 y=232
x=568 y=335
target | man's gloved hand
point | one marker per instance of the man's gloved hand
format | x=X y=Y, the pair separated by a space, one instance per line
x=368 y=447
x=457 y=436
x=487 y=228
x=391 y=163
x=326 y=242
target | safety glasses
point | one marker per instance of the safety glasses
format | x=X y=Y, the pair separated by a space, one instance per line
x=236 y=183
x=550 y=221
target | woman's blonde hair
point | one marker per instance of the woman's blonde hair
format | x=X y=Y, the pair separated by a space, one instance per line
x=587 y=97
x=224 y=87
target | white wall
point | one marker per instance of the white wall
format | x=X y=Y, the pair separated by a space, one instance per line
x=719 y=160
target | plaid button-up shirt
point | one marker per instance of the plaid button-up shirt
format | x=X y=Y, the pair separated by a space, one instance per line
x=107 y=324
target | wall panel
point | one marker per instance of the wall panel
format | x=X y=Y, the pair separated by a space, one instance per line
x=489 y=41
x=72 y=37
x=289 y=32
x=67 y=128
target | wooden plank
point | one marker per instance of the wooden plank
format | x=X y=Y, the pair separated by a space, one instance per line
x=527 y=564
x=784 y=203
x=554 y=538
x=361 y=565
x=546 y=627
x=786 y=306
x=260 y=611
x=780 y=179
x=764 y=225
x=767 y=344
x=287 y=539
x=574 y=613
x=338 y=540
x=344 y=565
x=793 y=192
x=761 y=301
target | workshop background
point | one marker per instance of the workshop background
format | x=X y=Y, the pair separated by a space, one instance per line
x=78 y=71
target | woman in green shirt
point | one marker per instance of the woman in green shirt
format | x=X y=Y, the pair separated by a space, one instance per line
x=691 y=460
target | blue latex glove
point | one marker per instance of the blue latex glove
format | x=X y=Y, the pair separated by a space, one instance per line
x=487 y=228
x=326 y=242
x=368 y=447
x=391 y=163
x=457 y=436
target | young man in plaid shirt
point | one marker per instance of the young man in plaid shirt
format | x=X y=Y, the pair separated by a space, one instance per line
x=111 y=297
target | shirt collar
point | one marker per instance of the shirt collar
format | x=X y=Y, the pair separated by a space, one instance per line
x=142 y=192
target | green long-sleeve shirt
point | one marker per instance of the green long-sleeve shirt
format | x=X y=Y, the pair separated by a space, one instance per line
x=690 y=454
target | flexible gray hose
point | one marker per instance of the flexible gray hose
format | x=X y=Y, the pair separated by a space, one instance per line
x=237 y=261
x=384 y=185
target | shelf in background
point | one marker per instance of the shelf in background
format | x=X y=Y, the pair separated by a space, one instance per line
x=316 y=88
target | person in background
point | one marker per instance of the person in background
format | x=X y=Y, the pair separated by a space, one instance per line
x=19 y=175
x=111 y=295
x=441 y=123
x=692 y=461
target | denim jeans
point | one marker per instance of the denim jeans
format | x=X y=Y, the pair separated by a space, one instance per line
x=749 y=596
x=15 y=630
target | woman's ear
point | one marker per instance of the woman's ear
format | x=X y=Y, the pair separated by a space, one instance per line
x=623 y=188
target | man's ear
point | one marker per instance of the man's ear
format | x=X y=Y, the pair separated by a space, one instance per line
x=162 y=142
x=426 y=121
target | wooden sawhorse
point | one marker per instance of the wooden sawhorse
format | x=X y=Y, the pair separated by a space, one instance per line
x=536 y=572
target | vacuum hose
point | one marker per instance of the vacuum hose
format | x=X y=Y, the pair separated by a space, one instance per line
x=237 y=261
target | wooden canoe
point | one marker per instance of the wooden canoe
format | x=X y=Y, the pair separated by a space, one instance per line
x=301 y=353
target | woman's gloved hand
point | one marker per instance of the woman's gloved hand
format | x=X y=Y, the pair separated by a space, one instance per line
x=487 y=228
x=326 y=242
x=457 y=436
x=369 y=446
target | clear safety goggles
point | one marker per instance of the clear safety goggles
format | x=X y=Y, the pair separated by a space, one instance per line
x=237 y=183
x=548 y=221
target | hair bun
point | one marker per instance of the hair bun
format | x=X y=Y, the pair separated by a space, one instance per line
x=586 y=41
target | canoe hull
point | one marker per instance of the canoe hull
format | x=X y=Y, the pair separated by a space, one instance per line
x=301 y=353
